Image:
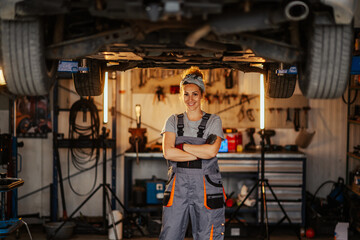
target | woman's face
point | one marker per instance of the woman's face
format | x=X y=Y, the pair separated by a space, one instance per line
x=192 y=96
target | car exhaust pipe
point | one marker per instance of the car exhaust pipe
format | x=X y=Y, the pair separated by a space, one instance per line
x=296 y=10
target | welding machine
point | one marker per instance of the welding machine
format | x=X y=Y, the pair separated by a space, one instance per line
x=155 y=191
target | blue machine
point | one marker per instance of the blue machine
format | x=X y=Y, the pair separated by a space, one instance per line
x=155 y=191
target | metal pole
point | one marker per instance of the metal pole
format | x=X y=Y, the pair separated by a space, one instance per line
x=104 y=177
x=54 y=189
x=113 y=149
x=14 y=160
x=262 y=172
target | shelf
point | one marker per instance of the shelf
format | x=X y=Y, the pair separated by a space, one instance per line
x=86 y=143
x=353 y=155
x=354 y=121
x=243 y=209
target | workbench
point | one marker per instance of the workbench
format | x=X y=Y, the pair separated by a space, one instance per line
x=285 y=172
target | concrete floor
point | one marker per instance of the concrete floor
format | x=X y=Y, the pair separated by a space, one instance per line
x=38 y=233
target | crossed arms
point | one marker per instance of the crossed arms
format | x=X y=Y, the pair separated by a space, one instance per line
x=189 y=152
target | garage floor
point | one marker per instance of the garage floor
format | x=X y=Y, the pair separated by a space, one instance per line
x=39 y=234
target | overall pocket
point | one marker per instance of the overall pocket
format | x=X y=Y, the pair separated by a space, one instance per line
x=213 y=192
x=169 y=191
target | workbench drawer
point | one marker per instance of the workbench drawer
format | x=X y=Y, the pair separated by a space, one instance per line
x=284 y=179
x=283 y=193
x=283 y=166
x=238 y=165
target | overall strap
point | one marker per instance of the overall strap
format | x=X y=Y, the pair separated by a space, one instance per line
x=180 y=125
x=202 y=125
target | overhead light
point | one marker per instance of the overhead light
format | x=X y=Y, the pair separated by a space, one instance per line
x=105 y=102
x=2 y=78
x=262 y=102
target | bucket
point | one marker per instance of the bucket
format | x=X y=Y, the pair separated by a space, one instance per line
x=65 y=232
x=119 y=225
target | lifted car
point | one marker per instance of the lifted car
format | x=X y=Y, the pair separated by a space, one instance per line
x=314 y=35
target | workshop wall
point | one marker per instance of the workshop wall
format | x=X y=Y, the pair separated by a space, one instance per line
x=326 y=154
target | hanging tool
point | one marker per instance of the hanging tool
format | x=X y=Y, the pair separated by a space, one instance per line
x=209 y=81
x=226 y=98
x=229 y=81
x=244 y=98
x=241 y=113
x=208 y=98
x=288 y=119
x=141 y=78
x=306 y=110
x=159 y=94
x=249 y=114
x=297 y=119
x=217 y=97
x=234 y=96
x=278 y=115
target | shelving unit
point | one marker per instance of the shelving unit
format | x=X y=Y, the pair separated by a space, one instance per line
x=285 y=172
x=59 y=142
x=352 y=125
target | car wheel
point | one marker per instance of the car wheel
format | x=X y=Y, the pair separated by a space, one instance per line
x=26 y=70
x=90 y=83
x=279 y=86
x=325 y=71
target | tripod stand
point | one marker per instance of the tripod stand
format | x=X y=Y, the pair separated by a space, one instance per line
x=263 y=182
x=106 y=189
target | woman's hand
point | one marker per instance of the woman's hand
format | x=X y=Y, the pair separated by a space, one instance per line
x=203 y=151
x=175 y=153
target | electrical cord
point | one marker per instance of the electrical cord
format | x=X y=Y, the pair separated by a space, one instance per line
x=318 y=189
x=351 y=101
x=82 y=157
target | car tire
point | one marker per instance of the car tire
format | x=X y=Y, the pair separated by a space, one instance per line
x=325 y=71
x=279 y=86
x=26 y=70
x=90 y=83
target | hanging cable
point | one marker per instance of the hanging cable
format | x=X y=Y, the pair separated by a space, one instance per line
x=84 y=159
x=351 y=101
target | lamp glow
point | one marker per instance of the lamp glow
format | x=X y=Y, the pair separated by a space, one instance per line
x=262 y=102
x=105 y=102
x=2 y=78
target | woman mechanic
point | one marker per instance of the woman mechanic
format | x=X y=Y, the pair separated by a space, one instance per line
x=191 y=141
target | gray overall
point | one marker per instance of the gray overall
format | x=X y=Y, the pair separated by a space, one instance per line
x=194 y=189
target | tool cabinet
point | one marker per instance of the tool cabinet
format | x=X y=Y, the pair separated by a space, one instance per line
x=285 y=172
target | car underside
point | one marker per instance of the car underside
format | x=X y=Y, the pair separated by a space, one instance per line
x=251 y=36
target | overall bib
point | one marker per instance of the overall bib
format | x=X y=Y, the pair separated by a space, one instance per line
x=194 y=189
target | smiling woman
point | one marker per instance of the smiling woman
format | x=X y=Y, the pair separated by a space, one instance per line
x=191 y=141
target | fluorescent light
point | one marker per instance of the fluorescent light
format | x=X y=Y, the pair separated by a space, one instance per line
x=2 y=78
x=105 y=107
x=138 y=115
x=262 y=102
